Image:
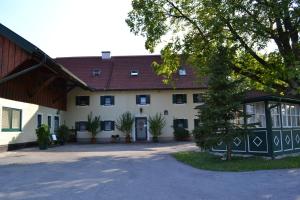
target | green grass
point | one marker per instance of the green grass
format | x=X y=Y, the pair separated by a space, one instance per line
x=204 y=160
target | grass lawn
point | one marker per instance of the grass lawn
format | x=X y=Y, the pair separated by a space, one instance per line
x=204 y=160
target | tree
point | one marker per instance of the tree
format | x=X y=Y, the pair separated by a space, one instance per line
x=124 y=124
x=222 y=113
x=195 y=28
x=93 y=126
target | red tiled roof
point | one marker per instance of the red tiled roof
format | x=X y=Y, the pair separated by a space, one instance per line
x=115 y=73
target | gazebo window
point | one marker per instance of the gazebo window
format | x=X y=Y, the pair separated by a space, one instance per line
x=275 y=115
x=257 y=114
x=290 y=115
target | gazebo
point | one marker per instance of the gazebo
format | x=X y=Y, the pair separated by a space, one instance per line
x=278 y=126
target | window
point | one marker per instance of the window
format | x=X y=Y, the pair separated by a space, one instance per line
x=107 y=100
x=142 y=99
x=107 y=125
x=179 y=98
x=39 y=120
x=182 y=72
x=134 y=73
x=275 y=115
x=257 y=114
x=290 y=115
x=82 y=100
x=96 y=72
x=180 y=123
x=11 y=119
x=198 y=98
x=81 y=126
x=49 y=122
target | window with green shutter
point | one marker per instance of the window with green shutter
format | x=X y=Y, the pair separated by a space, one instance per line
x=180 y=123
x=107 y=125
x=142 y=99
x=11 y=119
x=107 y=100
x=179 y=99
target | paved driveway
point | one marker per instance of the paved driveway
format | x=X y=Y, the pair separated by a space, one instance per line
x=137 y=171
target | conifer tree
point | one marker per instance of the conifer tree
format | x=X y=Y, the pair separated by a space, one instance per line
x=221 y=114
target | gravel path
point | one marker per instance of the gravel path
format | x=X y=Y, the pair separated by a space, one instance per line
x=135 y=171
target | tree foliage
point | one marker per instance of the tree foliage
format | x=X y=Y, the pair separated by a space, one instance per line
x=195 y=28
x=222 y=114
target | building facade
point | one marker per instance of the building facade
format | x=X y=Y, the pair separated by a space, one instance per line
x=129 y=83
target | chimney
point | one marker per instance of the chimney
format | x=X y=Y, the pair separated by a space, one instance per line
x=105 y=55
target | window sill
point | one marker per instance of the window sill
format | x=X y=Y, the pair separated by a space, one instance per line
x=11 y=130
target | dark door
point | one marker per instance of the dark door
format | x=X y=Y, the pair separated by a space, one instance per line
x=141 y=128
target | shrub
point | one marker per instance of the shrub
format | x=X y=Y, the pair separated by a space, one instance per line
x=181 y=134
x=43 y=134
x=63 y=133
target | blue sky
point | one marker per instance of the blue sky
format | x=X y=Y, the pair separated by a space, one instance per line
x=73 y=27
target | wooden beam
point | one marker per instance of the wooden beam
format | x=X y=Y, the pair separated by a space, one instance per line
x=41 y=87
x=67 y=91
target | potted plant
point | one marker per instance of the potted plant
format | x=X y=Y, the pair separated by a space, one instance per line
x=43 y=134
x=93 y=126
x=63 y=134
x=156 y=124
x=124 y=124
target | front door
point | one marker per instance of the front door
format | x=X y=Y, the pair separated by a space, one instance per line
x=141 y=128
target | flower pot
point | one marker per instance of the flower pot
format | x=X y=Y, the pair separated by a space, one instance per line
x=43 y=146
x=127 y=139
x=93 y=140
x=155 y=139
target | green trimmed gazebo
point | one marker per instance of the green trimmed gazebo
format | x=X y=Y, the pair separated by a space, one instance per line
x=278 y=129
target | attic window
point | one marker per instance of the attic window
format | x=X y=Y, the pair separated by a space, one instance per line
x=134 y=73
x=96 y=72
x=182 y=72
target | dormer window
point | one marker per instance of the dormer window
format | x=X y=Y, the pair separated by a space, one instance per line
x=182 y=72
x=134 y=73
x=96 y=72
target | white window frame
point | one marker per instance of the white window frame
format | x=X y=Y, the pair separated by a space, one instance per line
x=288 y=117
x=257 y=115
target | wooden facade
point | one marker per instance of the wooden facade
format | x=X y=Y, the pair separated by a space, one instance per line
x=45 y=85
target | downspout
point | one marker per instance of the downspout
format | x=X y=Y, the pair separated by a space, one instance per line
x=33 y=67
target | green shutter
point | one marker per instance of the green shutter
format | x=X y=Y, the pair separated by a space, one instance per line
x=185 y=123
x=102 y=99
x=175 y=123
x=174 y=98
x=148 y=99
x=112 y=100
x=184 y=98
x=112 y=126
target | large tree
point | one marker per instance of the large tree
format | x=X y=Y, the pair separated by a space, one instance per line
x=197 y=27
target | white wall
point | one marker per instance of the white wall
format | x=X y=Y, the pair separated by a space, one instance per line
x=29 y=121
x=126 y=101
